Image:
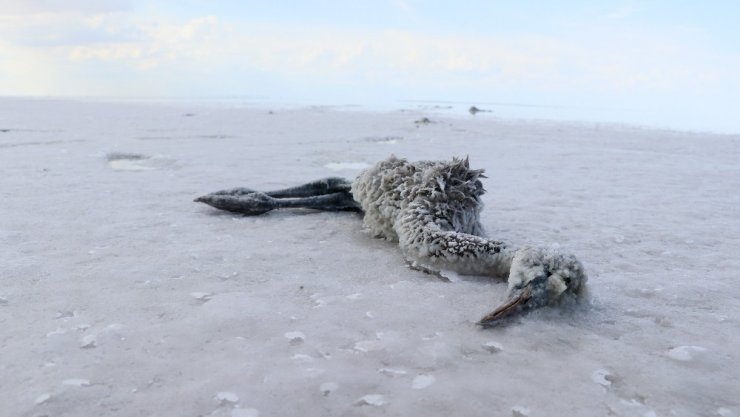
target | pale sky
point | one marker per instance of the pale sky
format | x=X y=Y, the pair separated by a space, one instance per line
x=676 y=60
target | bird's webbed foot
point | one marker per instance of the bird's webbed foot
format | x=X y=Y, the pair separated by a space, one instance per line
x=538 y=277
x=240 y=200
x=235 y=192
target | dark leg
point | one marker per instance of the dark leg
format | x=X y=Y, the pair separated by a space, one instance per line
x=330 y=194
x=315 y=188
x=319 y=187
x=341 y=201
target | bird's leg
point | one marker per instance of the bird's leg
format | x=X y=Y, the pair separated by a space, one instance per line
x=320 y=187
x=256 y=203
x=250 y=203
x=314 y=188
x=339 y=201
x=330 y=194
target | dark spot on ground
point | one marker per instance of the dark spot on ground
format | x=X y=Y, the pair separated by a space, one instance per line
x=118 y=156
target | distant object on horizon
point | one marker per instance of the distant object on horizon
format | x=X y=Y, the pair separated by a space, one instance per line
x=432 y=209
x=422 y=121
x=473 y=110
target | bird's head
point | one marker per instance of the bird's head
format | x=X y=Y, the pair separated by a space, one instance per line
x=538 y=278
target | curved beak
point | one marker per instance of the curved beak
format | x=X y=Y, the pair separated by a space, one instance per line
x=517 y=302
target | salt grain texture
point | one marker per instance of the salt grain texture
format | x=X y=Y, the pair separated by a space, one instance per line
x=295 y=338
x=201 y=296
x=492 y=347
x=42 y=398
x=602 y=377
x=64 y=314
x=365 y=346
x=88 y=342
x=245 y=412
x=451 y=276
x=685 y=353
x=226 y=397
x=57 y=332
x=519 y=411
x=422 y=381
x=392 y=372
x=76 y=382
x=375 y=400
x=328 y=387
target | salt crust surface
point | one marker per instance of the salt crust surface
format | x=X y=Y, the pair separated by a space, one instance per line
x=119 y=296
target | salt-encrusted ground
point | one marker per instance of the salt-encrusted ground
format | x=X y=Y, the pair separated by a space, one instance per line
x=119 y=296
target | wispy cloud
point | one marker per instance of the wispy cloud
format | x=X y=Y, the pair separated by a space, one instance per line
x=109 y=38
x=620 y=61
x=40 y=30
x=24 y=7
